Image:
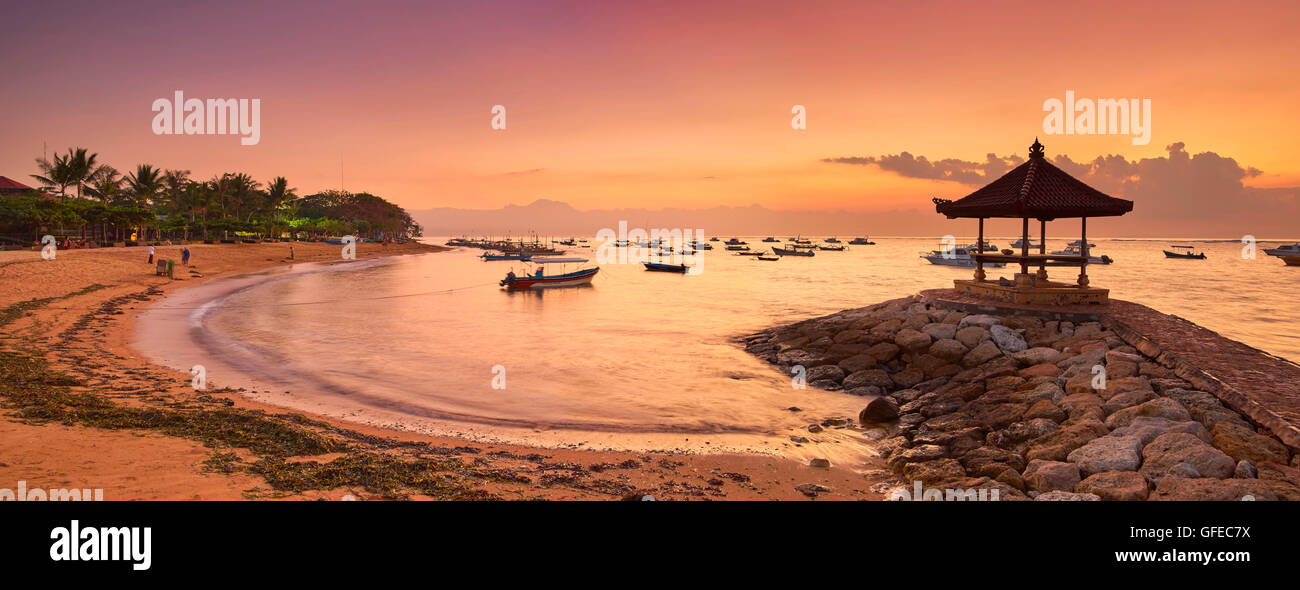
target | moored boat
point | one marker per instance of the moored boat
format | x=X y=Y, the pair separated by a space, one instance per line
x=861 y=242
x=771 y=258
x=660 y=267
x=1284 y=250
x=831 y=248
x=957 y=257
x=541 y=280
x=792 y=252
x=522 y=256
x=1189 y=254
x=770 y=239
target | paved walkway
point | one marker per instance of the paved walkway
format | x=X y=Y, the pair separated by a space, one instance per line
x=1262 y=386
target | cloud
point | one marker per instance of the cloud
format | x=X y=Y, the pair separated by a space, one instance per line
x=1206 y=191
x=949 y=169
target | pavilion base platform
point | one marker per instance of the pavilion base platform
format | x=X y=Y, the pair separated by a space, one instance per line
x=1037 y=292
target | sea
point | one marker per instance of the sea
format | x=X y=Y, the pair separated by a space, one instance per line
x=638 y=360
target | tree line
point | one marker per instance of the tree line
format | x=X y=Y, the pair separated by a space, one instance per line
x=95 y=202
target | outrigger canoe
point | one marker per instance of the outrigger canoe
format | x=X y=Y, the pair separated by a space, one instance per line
x=540 y=280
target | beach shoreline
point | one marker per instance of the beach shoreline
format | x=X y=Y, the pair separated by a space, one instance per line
x=77 y=313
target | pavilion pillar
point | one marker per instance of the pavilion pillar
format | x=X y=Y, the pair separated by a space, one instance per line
x=1083 y=249
x=979 y=249
x=1023 y=279
x=1042 y=249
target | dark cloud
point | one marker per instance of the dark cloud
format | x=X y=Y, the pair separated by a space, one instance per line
x=1206 y=191
x=950 y=169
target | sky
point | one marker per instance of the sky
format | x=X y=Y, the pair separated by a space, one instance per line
x=614 y=105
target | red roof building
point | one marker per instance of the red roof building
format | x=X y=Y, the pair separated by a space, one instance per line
x=9 y=186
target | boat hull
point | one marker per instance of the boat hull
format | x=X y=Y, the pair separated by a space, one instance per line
x=1169 y=254
x=658 y=267
x=963 y=262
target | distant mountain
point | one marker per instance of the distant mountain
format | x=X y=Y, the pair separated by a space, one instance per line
x=555 y=218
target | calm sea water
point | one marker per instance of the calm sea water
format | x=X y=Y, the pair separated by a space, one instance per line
x=638 y=359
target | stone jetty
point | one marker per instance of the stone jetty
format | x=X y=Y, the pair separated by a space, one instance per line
x=1043 y=404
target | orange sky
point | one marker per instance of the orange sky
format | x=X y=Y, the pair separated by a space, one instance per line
x=646 y=105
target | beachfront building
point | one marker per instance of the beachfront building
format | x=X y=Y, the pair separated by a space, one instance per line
x=1035 y=190
x=9 y=186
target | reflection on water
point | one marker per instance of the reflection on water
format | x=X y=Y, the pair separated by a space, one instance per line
x=636 y=359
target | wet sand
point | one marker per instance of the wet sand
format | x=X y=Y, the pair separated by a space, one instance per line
x=88 y=336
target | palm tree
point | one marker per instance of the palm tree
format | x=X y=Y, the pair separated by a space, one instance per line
x=105 y=184
x=76 y=168
x=278 y=193
x=144 y=185
x=55 y=176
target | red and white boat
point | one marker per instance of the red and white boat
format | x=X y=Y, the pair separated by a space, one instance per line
x=540 y=280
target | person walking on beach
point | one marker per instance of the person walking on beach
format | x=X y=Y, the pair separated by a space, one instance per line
x=150 y=254
x=290 y=252
x=185 y=257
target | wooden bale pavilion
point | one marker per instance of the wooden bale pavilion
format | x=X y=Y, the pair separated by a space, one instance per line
x=1037 y=190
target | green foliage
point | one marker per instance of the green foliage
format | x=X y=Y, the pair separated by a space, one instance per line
x=169 y=204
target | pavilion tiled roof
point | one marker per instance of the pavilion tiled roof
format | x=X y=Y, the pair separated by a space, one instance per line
x=1036 y=189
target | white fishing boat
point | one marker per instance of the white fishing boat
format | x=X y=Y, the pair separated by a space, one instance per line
x=957 y=257
x=1284 y=250
x=1073 y=250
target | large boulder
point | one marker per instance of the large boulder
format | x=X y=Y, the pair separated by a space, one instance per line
x=942 y=331
x=931 y=472
x=1036 y=356
x=883 y=351
x=1157 y=408
x=808 y=359
x=1127 y=399
x=1057 y=445
x=980 y=354
x=972 y=336
x=948 y=349
x=869 y=377
x=1108 y=453
x=1007 y=339
x=1242 y=443
x=1045 y=476
x=823 y=372
x=1115 y=486
x=1169 y=451
x=859 y=362
x=879 y=409
x=981 y=320
x=912 y=340
x=1148 y=428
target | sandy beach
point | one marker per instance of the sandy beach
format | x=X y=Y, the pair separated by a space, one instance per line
x=83 y=409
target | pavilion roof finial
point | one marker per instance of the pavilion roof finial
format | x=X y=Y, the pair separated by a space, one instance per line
x=1036 y=150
